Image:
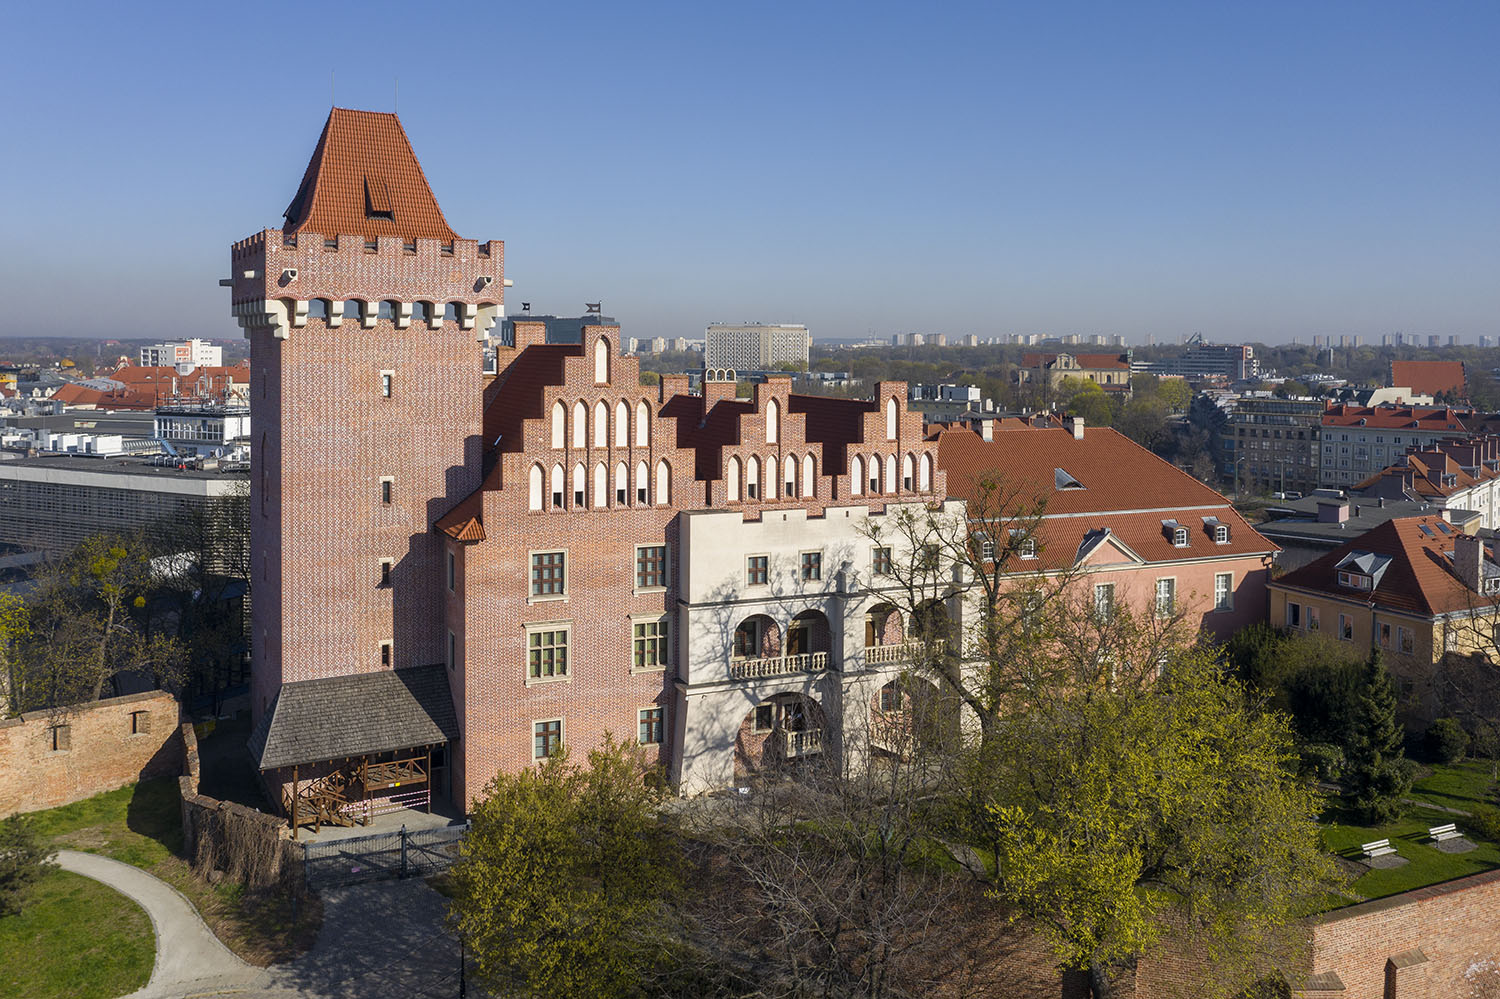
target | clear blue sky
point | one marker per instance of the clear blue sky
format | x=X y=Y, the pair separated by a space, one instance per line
x=1259 y=171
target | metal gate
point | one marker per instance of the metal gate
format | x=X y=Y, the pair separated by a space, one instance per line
x=400 y=854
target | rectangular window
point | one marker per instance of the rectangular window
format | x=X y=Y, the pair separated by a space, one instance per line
x=1312 y=618
x=1346 y=628
x=650 y=567
x=765 y=717
x=387 y=378
x=1104 y=600
x=140 y=722
x=546 y=739
x=1166 y=597
x=650 y=643
x=1408 y=640
x=747 y=643
x=387 y=490
x=1385 y=635
x=1223 y=591
x=890 y=697
x=385 y=572
x=452 y=571
x=650 y=726
x=60 y=738
x=880 y=561
x=1293 y=615
x=758 y=570
x=812 y=566
x=547 y=654
x=452 y=650
x=385 y=654
x=549 y=574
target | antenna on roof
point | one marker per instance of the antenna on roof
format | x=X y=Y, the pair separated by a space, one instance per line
x=395 y=95
x=332 y=101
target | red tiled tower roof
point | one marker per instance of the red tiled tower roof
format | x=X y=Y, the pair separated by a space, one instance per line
x=364 y=180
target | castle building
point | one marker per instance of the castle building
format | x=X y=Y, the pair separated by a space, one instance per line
x=472 y=546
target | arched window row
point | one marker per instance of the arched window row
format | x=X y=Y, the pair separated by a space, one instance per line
x=590 y=490
x=753 y=478
x=576 y=431
x=875 y=475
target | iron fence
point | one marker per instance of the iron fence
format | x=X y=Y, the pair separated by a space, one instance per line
x=381 y=856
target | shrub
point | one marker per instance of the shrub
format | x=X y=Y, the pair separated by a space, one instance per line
x=1483 y=745
x=1447 y=742
x=23 y=859
x=1484 y=821
x=1323 y=761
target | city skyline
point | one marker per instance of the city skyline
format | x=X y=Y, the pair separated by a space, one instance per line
x=1257 y=175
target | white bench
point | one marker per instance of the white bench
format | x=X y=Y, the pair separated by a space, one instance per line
x=1441 y=833
x=1379 y=848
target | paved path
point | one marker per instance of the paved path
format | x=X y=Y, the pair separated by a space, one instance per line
x=383 y=939
x=188 y=956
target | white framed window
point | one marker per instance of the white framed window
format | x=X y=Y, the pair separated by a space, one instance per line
x=1179 y=537
x=1104 y=600
x=546 y=738
x=387 y=383
x=1166 y=596
x=649 y=726
x=549 y=575
x=1221 y=534
x=650 y=644
x=1223 y=591
x=651 y=568
x=548 y=651
x=387 y=490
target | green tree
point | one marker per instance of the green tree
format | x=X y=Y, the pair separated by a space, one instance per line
x=564 y=878
x=1378 y=774
x=23 y=860
x=1174 y=393
x=15 y=628
x=1123 y=818
x=1090 y=402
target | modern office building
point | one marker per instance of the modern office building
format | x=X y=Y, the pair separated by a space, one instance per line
x=755 y=346
x=194 y=353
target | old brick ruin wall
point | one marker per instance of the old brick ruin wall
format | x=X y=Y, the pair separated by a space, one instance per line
x=239 y=842
x=56 y=757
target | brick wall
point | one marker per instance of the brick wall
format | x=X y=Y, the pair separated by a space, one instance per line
x=98 y=747
x=1441 y=942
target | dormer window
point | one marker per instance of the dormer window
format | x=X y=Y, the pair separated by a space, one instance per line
x=1221 y=534
x=1179 y=537
x=377 y=199
x=1492 y=585
x=1354 y=580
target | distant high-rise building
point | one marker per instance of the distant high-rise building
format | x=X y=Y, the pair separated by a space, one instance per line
x=1453 y=341
x=1486 y=341
x=755 y=346
x=971 y=340
x=198 y=353
x=1388 y=339
x=1434 y=340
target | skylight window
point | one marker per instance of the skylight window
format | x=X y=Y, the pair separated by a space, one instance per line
x=1063 y=480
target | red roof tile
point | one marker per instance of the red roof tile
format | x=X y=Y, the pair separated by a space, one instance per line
x=1125 y=489
x=1399 y=418
x=1418 y=579
x=364 y=180
x=1430 y=377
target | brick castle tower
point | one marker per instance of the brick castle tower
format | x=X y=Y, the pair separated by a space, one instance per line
x=365 y=314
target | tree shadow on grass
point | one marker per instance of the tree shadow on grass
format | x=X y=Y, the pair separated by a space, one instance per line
x=155 y=811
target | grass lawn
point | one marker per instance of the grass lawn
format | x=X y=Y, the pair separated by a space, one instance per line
x=1342 y=834
x=75 y=938
x=1457 y=785
x=142 y=826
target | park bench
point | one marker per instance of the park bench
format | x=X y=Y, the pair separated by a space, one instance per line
x=1379 y=848
x=1442 y=833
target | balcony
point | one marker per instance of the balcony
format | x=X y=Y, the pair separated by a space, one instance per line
x=808 y=742
x=753 y=669
x=900 y=652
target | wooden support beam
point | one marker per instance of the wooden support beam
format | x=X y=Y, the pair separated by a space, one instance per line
x=429 y=780
x=295 y=799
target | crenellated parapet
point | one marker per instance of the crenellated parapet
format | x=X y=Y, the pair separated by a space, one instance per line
x=279 y=280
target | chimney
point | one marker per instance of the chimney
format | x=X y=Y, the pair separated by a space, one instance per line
x=1468 y=561
x=1078 y=428
x=1333 y=511
x=984 y=426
